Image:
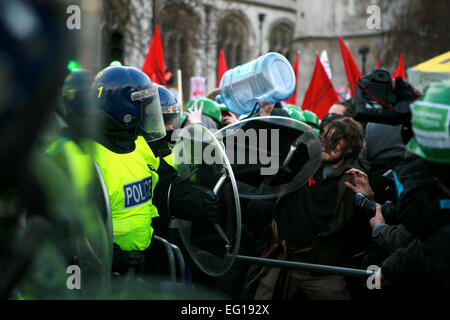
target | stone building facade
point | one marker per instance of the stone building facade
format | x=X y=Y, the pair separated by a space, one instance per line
x=193 y=32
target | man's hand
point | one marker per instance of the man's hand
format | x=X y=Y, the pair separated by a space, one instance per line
x=265 y=108
x=361 y=181
x=378 y=218
x=194 y=114
x=383 y=282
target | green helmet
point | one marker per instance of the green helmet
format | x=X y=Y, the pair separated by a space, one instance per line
x=311 y=119
x=210 y=107
x=431 y=123
x=292 y=106
x=223 y=107
x=295 y=114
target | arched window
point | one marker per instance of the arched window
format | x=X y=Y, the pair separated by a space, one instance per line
x=281 y=39
x=233 y=39
x=178 y=31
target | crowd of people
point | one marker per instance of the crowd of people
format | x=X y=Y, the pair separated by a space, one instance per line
x=322 y=222
x=103 y=188
x=378 y=200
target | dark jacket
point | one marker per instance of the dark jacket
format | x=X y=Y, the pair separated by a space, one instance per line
x=331 y=246
x=422 y=201
x=424 y=209
x=392 y=237
x=423 y=262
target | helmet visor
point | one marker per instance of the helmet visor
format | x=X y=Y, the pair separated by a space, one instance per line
x=172 y=116
x=152 y=122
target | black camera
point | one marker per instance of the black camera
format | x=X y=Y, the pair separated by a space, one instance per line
x=368 y=208
x=376 y=99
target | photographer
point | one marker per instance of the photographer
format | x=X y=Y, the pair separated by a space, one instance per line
x=386 y=237
x=421 y=259
x=424 y=194
x=383 y=104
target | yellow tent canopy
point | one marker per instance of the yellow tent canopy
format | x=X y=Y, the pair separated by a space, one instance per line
x=436 y=69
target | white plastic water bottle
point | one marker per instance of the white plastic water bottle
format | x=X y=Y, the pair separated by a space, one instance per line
x=268 y=78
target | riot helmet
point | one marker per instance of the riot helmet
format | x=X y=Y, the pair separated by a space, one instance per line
x=129 y=101
x=76 y=102
x=171 y=108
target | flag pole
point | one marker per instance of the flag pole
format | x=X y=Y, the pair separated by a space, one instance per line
x=180 y=87
x=305 y=266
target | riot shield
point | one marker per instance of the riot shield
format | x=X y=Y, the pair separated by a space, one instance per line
x=199 y=157
x=270 y=156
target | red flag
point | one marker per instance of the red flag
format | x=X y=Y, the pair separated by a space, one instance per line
x=221 y=66
x=154 y=65
x=400 y=71
x=351 y=68
x=321 y=94
x=378 y=63
x=293 y=98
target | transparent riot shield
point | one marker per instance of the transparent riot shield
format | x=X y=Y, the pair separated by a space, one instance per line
x=199 y=157
x=270 y=156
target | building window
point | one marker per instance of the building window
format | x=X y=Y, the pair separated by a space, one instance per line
x=233 y=39
x=281 y=39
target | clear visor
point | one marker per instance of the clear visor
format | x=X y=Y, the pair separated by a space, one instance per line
x=152 y=122
x=172 y=116
x=171 y=109
x=172 y=120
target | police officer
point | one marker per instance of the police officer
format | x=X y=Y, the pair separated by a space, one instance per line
x=137 y=181
x=71 y=151
x=171 y=110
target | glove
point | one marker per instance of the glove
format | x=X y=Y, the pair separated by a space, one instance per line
x=195 y=203
x=213 y=208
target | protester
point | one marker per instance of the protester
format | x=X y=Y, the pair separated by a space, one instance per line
x=413 y=254
x=317 y=231
x=271 y=109
x=424 y=190
x=343 y=108
x=384 y=150
x=227 y=116
x=204 y=111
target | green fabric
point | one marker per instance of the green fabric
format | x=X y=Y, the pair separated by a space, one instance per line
x=431 y=123
x=430 y=154
x=223 y=107
x=295 y=114
x=210 y=107
x=311 y=118
x=292 y=106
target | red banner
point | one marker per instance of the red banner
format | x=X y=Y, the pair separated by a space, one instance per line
x=154 y=65
x=321 y=94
